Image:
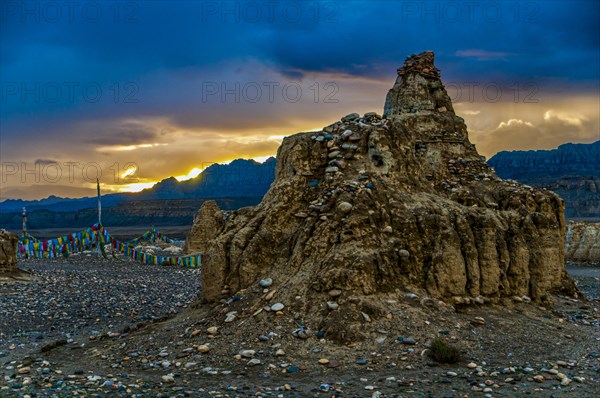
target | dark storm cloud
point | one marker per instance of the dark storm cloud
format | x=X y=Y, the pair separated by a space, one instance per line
x=482 y=55
x=537 y=39
x=341 y=36
x=384 y=32
x=139 y=75
x=128 y=134
x=45 y=162
x=361 y=38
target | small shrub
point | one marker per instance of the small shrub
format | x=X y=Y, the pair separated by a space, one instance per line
x=444 y=352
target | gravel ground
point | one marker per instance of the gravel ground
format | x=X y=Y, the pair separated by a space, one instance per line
x=587 y=280
x=99 y=330
x=87 y=296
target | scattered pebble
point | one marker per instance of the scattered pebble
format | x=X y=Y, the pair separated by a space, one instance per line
x=247 y=353
x=266 y=282
x=212 y=330
x=168 y=379
x=344 y=207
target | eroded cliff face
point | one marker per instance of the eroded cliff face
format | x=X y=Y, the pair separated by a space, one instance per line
x=582 y=244
x=369 y=208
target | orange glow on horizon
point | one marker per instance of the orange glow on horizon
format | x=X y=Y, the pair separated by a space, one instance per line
x=193 y=173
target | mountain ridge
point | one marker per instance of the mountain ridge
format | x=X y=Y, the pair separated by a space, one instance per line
x=571 y=170
x=216 y=181
x=582 y=158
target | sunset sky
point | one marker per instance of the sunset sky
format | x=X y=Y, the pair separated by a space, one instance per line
x=175 y=86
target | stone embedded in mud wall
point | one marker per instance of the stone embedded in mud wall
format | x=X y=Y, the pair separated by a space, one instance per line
x=207 y=224
x=8 y=252
x=582 y=244
x=371 y=208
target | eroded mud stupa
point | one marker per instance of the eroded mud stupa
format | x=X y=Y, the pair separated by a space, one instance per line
x=8 y=252
x=373 y=207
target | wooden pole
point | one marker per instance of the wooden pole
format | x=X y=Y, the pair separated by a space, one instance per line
x=24 y=221
x=98 y=243
x=99 y=203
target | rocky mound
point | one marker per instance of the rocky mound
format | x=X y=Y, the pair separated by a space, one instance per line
x=370 y=210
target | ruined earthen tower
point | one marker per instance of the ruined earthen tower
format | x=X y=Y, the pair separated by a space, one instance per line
x=370 y=207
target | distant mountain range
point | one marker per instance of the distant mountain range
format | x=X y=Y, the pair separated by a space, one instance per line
x=240 y=178
x=239 y=183
x=143 y=213
x=571 y=170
